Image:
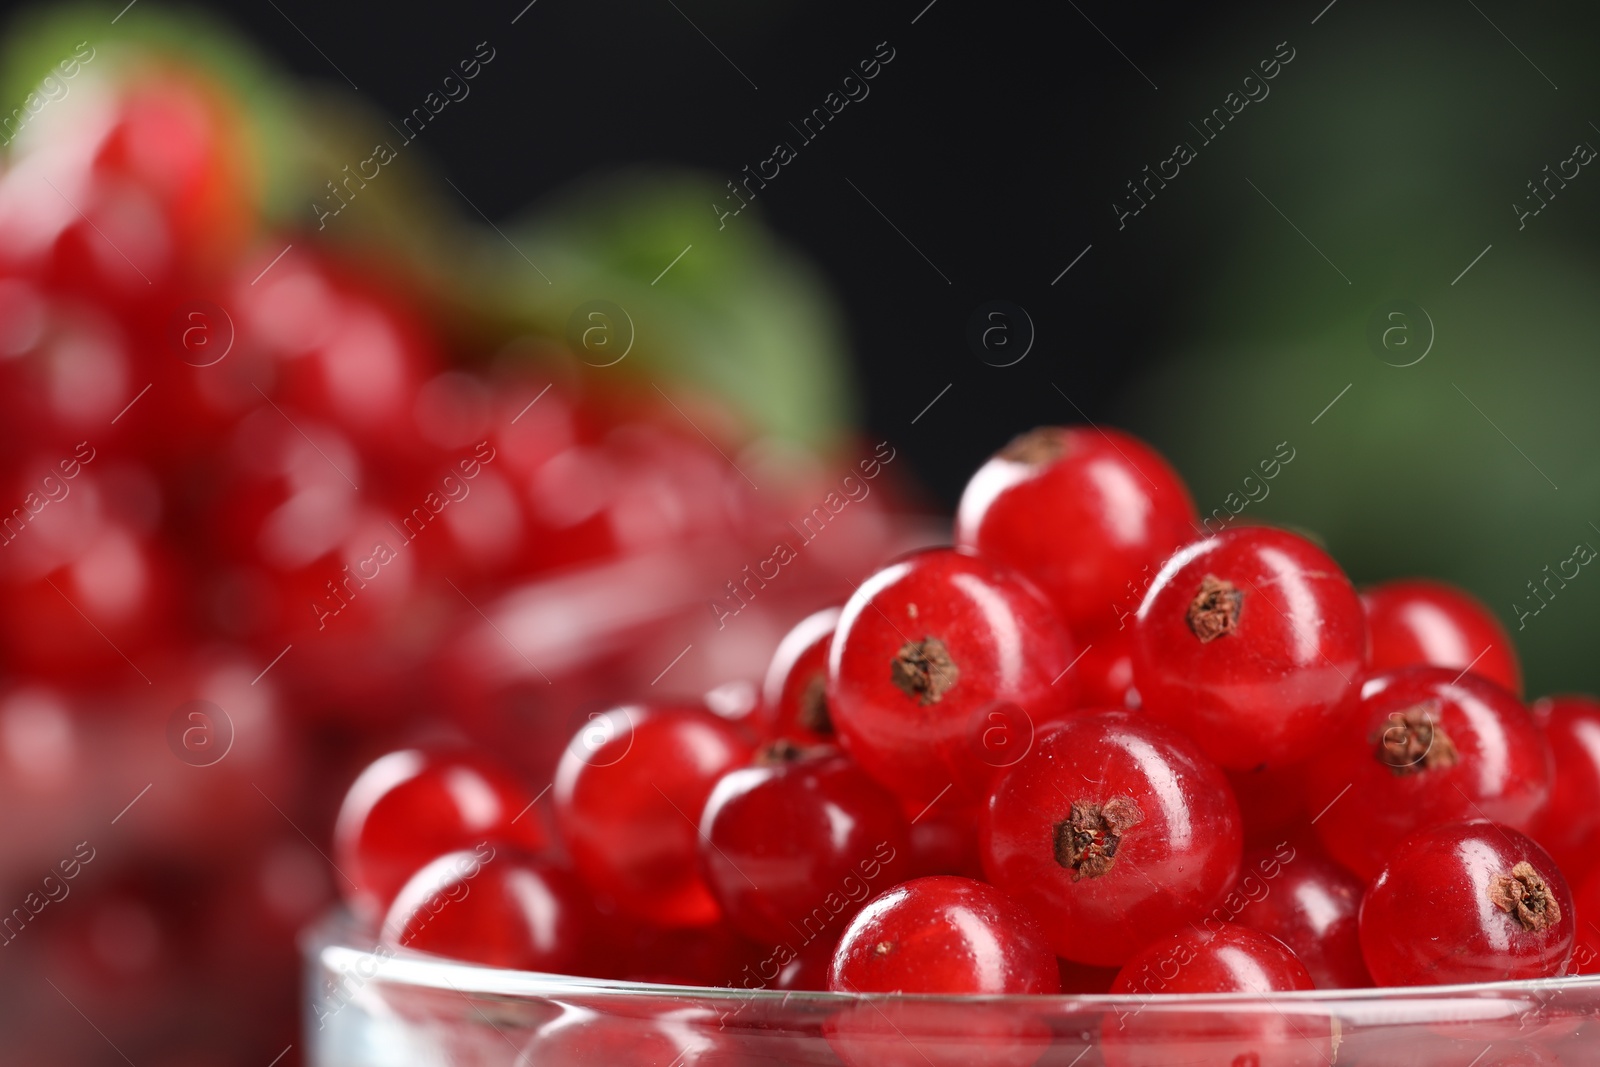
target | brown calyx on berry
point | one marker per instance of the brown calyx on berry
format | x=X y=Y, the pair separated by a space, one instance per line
x=1524 y=895
x=1038 y=447
x=813 y=712
x=924 y=669
x=1214 y=611
x=883 y=948
x=1088 y=838
x=1414 y=741
x=784 y=750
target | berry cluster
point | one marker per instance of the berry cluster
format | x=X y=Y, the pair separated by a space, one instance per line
x=983 y=774
x=264 y=502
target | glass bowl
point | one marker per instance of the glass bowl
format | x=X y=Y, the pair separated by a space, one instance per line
x=375 y=1007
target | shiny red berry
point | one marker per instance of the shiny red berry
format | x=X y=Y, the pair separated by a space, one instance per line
x=1272 y=802
x=1416 y=621
x=1425 y=745
x=414 y=805
x=940 y=935
x=491 y=905
x=794 y=845
x=628 y=795
x=1308 y=902
x=795 y=694
x=945 y=841
x=943 y=935
x=581 y=1037
x=1586 y=913
x=1086 y=514
x=808 y=968
x=1113 y=830
x=1467 y=902
x=1105 y=671
x=1569 y=825
x=1250 y=642
x=941 y=669
x=1219 y=959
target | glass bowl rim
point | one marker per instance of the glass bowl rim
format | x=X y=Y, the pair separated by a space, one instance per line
x=330 y=943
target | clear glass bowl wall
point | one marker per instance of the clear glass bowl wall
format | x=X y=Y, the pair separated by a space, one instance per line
x=377 y=1008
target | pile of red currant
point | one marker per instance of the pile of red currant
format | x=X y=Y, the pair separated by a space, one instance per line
x=265 y=502
x=1094 y=747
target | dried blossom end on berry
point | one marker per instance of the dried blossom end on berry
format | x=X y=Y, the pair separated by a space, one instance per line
x=1214 y=612
x=1037 y=448
x=813 y=714
x=924 y=670
x=1088 y=838
x=1524 y=895
x=1414 y=741
x=782 y=750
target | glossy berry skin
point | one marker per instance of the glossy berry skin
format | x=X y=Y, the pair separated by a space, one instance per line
x=1425 y=747
x=491 y=905
x=927 y=652
x=1586 y=949
x=1104 y=672
x=1250 y=642
x=1225 y=958
x=1467 y=902
x=1569 y=825
x=945 y=842
x=1081 y=512
x=943 y=934
x=628 y=792
x=1308 y=902
x=1418 y=622
x=794 y=696
x=579 y=1037
x=1219 y=959
x=794 y=845
x=808 y=969
x=1113 y=830
x=413 y=805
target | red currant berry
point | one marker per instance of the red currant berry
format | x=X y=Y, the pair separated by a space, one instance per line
x=628 y=792
x=943 y=935
x=795 y=696
x=927 y=651
x=1113 y=830
x=1421 y=622
x=712 y=955
x=413 y=805
x=945 y=843
x=1223 y=959
x=1426 y=745
x=793 y=846
x=1311 y=904
x=1569 y=825
x=1250 y=642
x=1105 y=672
x=808 y=968
x=579 y=1037
x=1272 y=802
x=490 y=905
x=1467 y=902
x=1586 y=905
x=1082 y=513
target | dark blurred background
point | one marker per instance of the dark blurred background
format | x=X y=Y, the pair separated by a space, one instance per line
x=995 y=141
